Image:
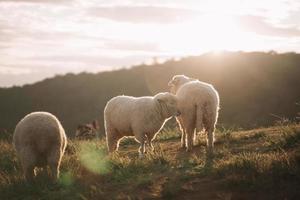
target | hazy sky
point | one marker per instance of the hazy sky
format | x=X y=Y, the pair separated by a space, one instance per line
x=41 y=38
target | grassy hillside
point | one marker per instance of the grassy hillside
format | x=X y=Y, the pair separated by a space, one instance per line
x=257 y=164
x=252 y=86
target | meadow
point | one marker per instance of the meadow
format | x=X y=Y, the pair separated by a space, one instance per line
x=261 y=163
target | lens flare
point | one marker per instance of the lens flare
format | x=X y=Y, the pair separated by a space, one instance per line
x=93 y=158
x=66 y=179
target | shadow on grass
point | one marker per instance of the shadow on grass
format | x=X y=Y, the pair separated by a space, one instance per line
x=209 y=160
x=41 y=188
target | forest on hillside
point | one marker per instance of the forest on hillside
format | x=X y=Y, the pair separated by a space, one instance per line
x=255 y=88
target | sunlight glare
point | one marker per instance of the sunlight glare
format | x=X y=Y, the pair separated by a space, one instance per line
x=206 y=33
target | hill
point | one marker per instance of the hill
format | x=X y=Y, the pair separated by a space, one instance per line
x=253 y=87
x=255 y=164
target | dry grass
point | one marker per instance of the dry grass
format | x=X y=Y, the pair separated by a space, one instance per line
x=247 y=165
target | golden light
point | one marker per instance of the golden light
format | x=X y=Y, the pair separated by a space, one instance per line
x=206 y=33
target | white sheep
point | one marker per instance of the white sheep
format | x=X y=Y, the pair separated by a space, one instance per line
x=39 y=140
x=141 y=117
x=198 y=103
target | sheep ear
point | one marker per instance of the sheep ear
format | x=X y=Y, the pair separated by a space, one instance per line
x=160 y=100
x=171 y=83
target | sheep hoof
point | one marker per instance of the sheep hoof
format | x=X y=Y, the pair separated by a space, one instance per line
x=141 y=155
x=210 y=153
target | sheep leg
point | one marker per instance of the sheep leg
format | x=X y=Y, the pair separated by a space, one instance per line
x=151 y=146
x=142 y=150
x=112 y=141
x=113 y=145
x=189 y=119
x=183 y=132
x=210 y=140
x=29 y=173
x=141 y=139
x=190 y=139
x=28 y=163
x=53 y=161
x=210 y=118
x=64 y=142
x=183 y=139
x=54 y=167
x=149 y=142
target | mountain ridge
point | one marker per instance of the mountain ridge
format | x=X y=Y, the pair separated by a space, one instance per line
x=253 y=87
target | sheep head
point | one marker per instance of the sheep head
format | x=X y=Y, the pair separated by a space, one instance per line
x=168 y=104
x=177 y=81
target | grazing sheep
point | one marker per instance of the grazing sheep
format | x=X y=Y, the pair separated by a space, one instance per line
x=141 y=117
x=198 y=103
x=87 y=131
x=39 y=140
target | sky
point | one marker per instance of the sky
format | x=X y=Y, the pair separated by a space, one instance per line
x=43 y=38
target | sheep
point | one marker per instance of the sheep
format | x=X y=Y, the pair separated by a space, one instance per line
x=198 y=103
x=39 y=140
x=87 y=131
x=141 y=117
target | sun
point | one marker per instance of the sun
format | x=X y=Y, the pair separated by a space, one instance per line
x=206 y=33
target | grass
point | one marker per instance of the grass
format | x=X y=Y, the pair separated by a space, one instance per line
x=168 y=134
x=261 y=163
x=264 y=171
x=289 y=137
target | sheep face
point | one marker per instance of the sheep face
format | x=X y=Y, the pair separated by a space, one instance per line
x=168 y=104
x=85 y=131
x=177 y=81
